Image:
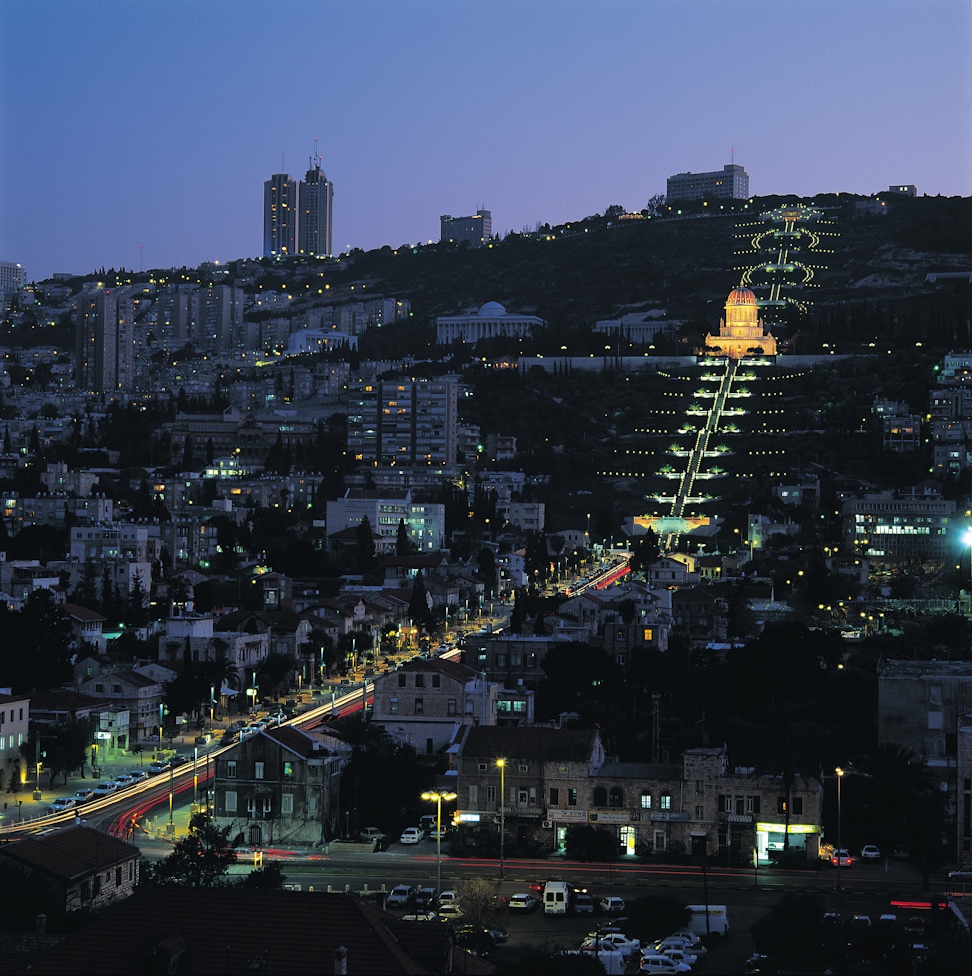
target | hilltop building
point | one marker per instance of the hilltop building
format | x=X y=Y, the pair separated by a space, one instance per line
x=297 y=216
x=732 y=182
x=13 y=278
x=316 y=198
x=474 y=231
x=741 y=331
x=490 y=321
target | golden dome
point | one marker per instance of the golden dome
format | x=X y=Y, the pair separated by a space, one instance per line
x=741 y=296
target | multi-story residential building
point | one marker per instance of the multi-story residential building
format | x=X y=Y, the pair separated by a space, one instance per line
x=118 y=540
x=731 y=182
x=316 y=203
x=140 y=694
x=474 y=231
x=490 y=321
x=280 y=211
x=897 y=528
x=84 y=868
x=402 y=422
x=103 y=348
x=926 y=707
x=425 y=702
x=13 y=278
x=14 y=721
x=58 y=478
x=278 y=786
x=424 y=522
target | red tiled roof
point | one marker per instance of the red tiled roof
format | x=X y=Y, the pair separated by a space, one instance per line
x=82 y=613
x=236 y=930
x=296 y=741
x=461 y=672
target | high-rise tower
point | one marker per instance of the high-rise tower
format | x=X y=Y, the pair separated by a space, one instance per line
x=103 y=348
x=280 y=210
x=314 y=223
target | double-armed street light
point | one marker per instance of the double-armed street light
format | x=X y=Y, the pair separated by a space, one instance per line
x=437 y=796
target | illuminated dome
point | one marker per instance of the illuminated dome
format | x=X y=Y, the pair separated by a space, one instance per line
x=494 y=308
x=741 y=296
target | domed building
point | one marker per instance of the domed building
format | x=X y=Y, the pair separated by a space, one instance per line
x=741 y=331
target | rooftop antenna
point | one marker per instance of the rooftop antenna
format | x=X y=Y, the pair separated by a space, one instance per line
x=139 y=258
x=732 y=154
x=283 y=167
x=317 y=155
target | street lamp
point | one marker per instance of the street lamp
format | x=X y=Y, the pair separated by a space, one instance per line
x=438 y=796
x=502 y=806
x=840 y=843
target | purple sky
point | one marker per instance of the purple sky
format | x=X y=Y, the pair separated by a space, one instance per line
x=125 y=122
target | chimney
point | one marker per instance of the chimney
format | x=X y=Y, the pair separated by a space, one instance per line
x=40 y=924
x=340 y=960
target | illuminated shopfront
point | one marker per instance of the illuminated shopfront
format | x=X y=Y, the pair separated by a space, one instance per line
x=770 y=839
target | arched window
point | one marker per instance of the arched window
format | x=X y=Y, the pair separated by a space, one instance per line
x=645 y=800
x=616 y=797
x=600 y=797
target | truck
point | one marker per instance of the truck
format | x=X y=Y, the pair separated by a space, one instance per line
x=709 y=920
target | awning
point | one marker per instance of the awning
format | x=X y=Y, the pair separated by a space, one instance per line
x=226 y=690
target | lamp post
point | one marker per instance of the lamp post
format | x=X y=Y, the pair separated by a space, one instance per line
x=840 y=843
x=502 y=807
x=438 y=796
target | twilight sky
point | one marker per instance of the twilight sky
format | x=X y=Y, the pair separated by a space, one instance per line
x=127 y=122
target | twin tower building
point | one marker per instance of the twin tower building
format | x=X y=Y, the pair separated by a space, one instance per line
x=297 y=215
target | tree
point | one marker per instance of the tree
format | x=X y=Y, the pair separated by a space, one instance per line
x=137 y=615
x=419 y=608
x=403 y=545
x=654 y=916
x=478 y=900
x=200 y=859
x=791 y=932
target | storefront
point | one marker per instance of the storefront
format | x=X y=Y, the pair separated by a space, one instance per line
x=771 y=837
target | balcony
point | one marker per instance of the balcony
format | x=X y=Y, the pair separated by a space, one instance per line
x=668 y=816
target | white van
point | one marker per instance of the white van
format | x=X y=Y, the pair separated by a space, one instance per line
x=556 y=896
x=709 y=920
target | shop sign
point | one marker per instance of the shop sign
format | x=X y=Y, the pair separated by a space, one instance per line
x=568 y=816
x=774 y=828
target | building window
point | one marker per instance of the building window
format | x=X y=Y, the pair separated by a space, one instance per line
x=752 y=804
x=645 y=800
x=419 y=706
x=572 y=797
x=231 y=769
x=287 y=803
x=451 y=707
x=699 y=787
x=521 y=797
x=118 y=877
x=554 y=797
x=739 y=801
x=258 y=770
x=797 y=806
x=616 y=797
x=473 y=795
x=501 y=660
x=393 y=705
x=402 y=680
x=85 y=891
x=288 y=770
x=420 y=681
x=231 y=801
x=665 y=801
x=436 y=681
x=490 y=794
x=600 y=797
x=781 y=804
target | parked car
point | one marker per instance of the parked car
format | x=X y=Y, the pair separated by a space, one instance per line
x=158 y=766
x=401 y=896
x=477 y=940
x=411 y=835
x=421 y=917
x=438 y=833
x=871 y=852
x=662 y=964
x=123 y=779
x=618 y=940
x=901 y=852
x=841 y=858
x=674 y=942
x=83 y=795
x=522 y=902
x=426 y=898
x=611 y=905
x=104 y=789
x=372 y=834
x=138 y=775
x=448 y=897
x=450 y=912
x=61 y=804
x=691 y=939
x=583 y=904
x=963 y=874
x=683 y=956
x=179 y=760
